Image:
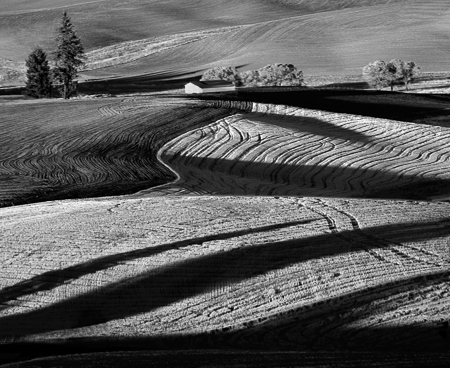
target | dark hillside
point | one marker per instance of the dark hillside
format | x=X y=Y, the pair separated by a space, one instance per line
x=379 y=104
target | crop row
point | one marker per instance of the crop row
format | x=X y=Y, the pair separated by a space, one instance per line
x=60 y=150
x=282 y=150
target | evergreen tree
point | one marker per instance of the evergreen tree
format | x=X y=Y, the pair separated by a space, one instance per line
x=69 y=57
x=38 y=82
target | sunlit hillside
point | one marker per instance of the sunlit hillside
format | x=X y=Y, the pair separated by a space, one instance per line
x=320 y=37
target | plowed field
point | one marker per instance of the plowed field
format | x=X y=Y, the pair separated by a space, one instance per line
x=245 y=272
x=280 y=150
x=85 y=148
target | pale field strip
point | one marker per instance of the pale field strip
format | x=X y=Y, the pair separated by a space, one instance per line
x=136 y=104
x=258 y=267
x=129 y=51
x=354 y=35
x=38 y=6
x=282 y=150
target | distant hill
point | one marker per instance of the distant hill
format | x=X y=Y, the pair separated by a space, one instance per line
x=319 y=36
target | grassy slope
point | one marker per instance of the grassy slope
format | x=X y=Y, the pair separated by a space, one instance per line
x=100 y=25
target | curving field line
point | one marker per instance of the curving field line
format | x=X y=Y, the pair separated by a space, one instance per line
x=355 y=35
x=89 y=147
x=281 y=150
x=339 y=219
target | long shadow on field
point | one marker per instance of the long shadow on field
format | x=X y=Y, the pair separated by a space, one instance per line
x=52 y=279
x=309 y=125
x=379 y=104
x=137 y=356
x=225 y=177
x=139 y=83
x=160 y=287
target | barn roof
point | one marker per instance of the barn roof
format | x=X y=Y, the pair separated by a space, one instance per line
x=213 y=83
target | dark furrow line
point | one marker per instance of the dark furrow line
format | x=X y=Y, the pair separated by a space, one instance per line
x=383 y=243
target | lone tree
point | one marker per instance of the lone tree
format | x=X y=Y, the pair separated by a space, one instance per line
x=68 y=58
x=38 y=82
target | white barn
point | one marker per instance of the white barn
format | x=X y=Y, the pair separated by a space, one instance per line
x=209 y=86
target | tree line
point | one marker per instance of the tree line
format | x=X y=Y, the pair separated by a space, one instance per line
x=67 y=59
x=270 y=75
x=377 y=74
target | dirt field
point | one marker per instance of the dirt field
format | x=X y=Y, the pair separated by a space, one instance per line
x=270 y=227
x=290 y=273
x=285 y=263
x=284 y=150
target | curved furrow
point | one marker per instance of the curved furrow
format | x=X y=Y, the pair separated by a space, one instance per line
x=70 y=147
x=313 y=157
x=318 y=208
x=415 y=255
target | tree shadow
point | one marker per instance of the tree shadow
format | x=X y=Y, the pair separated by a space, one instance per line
x=139 y=83
x=170 y=284
x=311 y=125
x=225 y=176
x=52 y=279
x=379 y=104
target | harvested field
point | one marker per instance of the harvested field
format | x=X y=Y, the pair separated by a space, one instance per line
x=332 y=42
x=281 y=150
x=320 y=37
x=57 y=149
x=285 y=274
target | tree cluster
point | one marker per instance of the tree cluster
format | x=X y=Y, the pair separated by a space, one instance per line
x=270 y=75
x=67 y=59
x=380 y=74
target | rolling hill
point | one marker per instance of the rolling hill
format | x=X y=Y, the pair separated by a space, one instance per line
x=282 y=150
x=288 y=227
x=53 y=149
x=190 y=272
x=320 y=37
